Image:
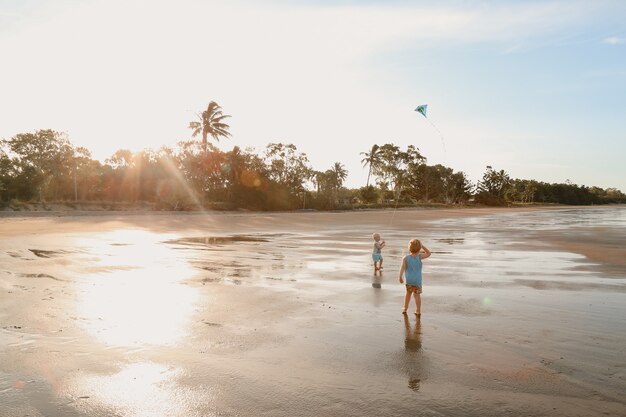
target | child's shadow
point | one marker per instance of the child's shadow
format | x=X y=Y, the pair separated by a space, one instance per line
x=414 y=365
x=377 y=279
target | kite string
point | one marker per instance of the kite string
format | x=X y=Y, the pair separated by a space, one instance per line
x=440 y=134
x=393 y=215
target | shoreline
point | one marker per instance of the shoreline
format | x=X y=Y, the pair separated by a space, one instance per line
x=70 y=212
x=58 y=221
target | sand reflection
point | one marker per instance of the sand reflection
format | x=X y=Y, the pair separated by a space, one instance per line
x=413 y=352
x=136 y=296
x=412 y=335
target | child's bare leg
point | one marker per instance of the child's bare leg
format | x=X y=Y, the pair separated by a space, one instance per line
x=418 y=303
x=381 y=264
x=407 y=299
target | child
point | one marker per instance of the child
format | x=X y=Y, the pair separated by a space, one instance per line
x=412 y=269
x=377 y=254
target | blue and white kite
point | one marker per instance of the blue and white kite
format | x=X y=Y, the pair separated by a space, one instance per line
x=421 y=109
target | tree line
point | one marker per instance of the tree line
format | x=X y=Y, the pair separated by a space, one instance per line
x=44 y=166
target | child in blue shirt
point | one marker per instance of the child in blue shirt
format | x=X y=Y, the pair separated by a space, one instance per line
x=411 y=269
x=377 y=252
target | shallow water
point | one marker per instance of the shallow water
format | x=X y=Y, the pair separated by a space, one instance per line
x=282 y=315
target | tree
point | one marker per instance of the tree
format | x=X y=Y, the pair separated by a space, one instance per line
x=329 y=183
x=41 y=160
x=288 y=170
x=424 y=182
x=371 y=159
x=458 y=188
x=122 y=158
x=86 y=173
x=339 y=174
x=286 y=166
x=493 y=187
x=389 y=167
x=395 y=164
x=121 y=178
x=322 y=181
x=5 y=174
x=211 y=122
x=234 y=162
x=368 y=194
x=246 y=179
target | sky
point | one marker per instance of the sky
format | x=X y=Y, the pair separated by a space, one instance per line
x=534 y=88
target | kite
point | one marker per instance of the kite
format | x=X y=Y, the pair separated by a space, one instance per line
x=421 y=109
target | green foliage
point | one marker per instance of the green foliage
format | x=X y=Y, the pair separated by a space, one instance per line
x=41 y=164
x=497 y=188
x=329 y=184
x=494 y=187
x=437 y=184
x=44 y=165
x=368 y=194
x=5 y=174
x=576 y=195
x=391 y=166
x=287 y=167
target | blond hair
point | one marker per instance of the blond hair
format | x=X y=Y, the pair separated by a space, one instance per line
x=375 y=235
x=415 y=245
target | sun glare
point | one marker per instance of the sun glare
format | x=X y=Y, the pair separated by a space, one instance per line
x=135 y=295
x=140 y=389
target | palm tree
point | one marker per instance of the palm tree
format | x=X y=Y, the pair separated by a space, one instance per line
x=372 y=159
x=210 y=123
x=320 y=180
x=335 y=176
x=339 y=174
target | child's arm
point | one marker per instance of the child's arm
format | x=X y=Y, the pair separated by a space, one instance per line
x=402 y=268
x=425 y=254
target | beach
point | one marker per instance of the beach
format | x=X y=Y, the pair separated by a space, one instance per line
x=280 y=314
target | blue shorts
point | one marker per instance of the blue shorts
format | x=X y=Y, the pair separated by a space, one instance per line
x=377 y=257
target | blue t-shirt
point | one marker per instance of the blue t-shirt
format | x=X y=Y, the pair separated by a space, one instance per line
x=413 y=271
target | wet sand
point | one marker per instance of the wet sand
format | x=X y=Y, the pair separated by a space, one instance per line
x=524 y=313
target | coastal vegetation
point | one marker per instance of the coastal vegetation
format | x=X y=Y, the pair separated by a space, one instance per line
x=44 y=166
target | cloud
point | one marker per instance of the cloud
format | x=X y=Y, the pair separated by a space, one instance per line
x=614 y=40
x=131 y=74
